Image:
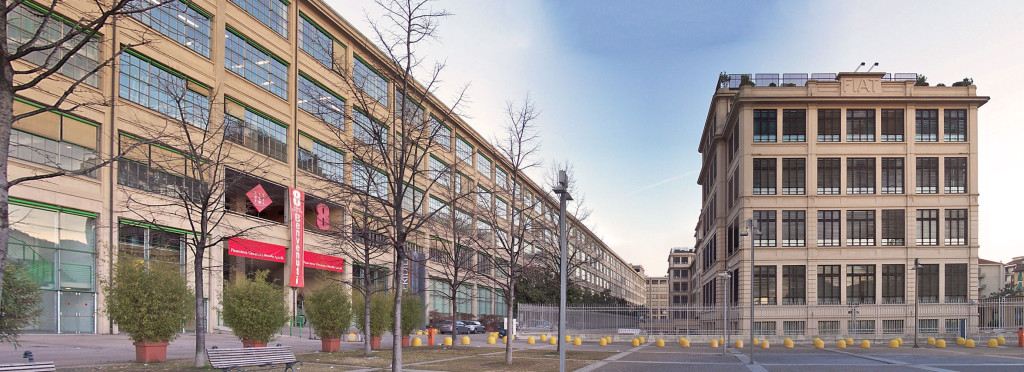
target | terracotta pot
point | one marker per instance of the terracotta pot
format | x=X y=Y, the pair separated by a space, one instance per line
x=375 y=343
x=248 y=343
x=329 y=345
x=405 y=341
x=151 y=352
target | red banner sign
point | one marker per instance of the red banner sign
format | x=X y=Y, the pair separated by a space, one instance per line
x=297 y=212
x=324 y=262
x=254 y=249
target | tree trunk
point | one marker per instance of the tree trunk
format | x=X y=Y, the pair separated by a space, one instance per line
x=7 y=118
x=508 y=311
x=396 y=355
x=367 y=292
x=455 y=330
x=200 y=306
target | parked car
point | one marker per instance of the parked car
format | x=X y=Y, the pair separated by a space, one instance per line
x=446 y=327
x=475 y=326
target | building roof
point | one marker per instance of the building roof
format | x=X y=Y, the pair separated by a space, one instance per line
x=982 y=261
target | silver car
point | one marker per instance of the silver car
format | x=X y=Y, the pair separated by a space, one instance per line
x=475 y=326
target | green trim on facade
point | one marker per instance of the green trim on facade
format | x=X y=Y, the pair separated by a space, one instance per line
x=255 y=111
x=369 y=66
x=51 y=207
x=69 y=116
x=318 y=27
x=156 y=227
x=62 y=19
x=197 y=8
x=322 y=143
x=165 y=68
x=256 y=45
x=324 y=87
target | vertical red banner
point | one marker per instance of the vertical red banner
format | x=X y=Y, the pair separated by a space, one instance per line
x=297 y=210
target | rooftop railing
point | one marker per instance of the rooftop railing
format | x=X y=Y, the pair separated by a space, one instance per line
x=734 y=81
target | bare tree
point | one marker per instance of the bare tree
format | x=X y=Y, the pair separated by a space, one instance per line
x=40 y=50
x=516 y=231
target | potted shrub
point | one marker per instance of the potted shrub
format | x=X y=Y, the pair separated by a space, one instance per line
x=19 y=305
x=381 y=316
x=254 y=309
x=150 y=303
x=412 y=315
x=330 y=314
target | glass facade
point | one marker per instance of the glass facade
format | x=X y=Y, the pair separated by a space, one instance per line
x=22 y=24
x=272 y=13
x=252 y=62
x=162 y=90
x=370 y=81
x=315 y=42
x=321 y=103
x=256 y=132
x=179 y=21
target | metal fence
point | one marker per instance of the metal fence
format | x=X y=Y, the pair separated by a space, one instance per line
x=872 y=321
x=796 y=79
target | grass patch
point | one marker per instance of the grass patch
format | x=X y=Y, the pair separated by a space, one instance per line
x=382 y=358
x=569 y=354
x=497 y=364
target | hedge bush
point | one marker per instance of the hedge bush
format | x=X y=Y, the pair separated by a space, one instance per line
x=254 y=308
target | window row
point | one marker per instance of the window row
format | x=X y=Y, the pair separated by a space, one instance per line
x=863 y=284
x=887 y=227
x=863 y=175
x=860 y=125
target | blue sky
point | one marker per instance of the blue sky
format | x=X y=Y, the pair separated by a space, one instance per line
x=624 y=88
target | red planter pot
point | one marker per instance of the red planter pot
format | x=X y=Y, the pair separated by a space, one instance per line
x=250 y=343
x=375 y=343
x=405 y=341
x=151 y=352
x=329 y=345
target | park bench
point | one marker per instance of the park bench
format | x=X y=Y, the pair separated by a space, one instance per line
x=31 y=366
x=235 y=359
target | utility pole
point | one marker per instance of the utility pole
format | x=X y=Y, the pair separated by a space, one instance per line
x=725 y=310
x=917 y=298
x=753 y=232
x=562 y=189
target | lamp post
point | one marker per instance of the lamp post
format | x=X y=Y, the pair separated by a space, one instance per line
x=917 y=298
x=725 y=310
x=562 y=189
x=752 y=230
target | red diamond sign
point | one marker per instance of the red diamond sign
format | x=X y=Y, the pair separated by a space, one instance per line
x=259 y=198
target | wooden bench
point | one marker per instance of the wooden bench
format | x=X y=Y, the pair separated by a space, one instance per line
x=234 y=359
x=32 y=366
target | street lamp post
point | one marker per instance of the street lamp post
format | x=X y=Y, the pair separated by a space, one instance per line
x=725 y=310
x=917 y=298
x=562 y=189
x=753 y=231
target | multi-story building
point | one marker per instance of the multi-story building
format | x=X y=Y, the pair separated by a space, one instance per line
x=848 y=179
x=657 y=297
x=260 y=63
x=680 y=267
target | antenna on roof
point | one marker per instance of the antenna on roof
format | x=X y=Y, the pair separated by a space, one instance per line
x=873 y=67
x=858 y=67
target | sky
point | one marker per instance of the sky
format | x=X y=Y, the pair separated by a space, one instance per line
x=623 y=89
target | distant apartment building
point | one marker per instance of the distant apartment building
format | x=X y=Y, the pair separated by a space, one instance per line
x=847 y=179
x=990 y=277
x=657 y=297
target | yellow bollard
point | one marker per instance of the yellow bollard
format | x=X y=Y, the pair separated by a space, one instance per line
x=543 y=337
x=568 y=338
x=788 y=343
x=602 y=343
x=416 y=342
x=865 y=344
x=680 y=341
x=685 y=343
x=819 y=344
x=553 y=340
x=721 y=341
x=714 y=343
x=504 y=340
x=940 y=344
x=895 y=344
x=841 y=344
x=530 y=340
x=419 y=333
x=577 y=341
x=764 y=344
x=661 y=343
x=465 y=340
x=755 y=341
x=636 y=342
x=643 y=340
x=448 y=341
x=993 y=342
x=491 y=341
x=900 y=339
x=960 y=340
x=931 y=341
x=969 y=343
x=739 y=344
x=1002 y=341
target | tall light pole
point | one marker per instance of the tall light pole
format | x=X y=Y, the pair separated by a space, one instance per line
x=562 y=189
x=753 y=231
x=725 y=310
x=917 y=297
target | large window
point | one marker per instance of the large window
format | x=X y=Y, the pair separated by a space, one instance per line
x=317 y=158
x=956 y=175
x=892 y=175
x=483 y=164
x=321 y=102
x=927 y=227
x=766 y=225
x=764 y=285
x=501 y=178
x=860 y=125
x=369 y=131
x=893 y=283
x=370 y=81
x=928 y=283
x=794 y=125
x=794 y=285
x=273 y=13
x=829 y=125
x=829 y=176
x=956 y=283
x=894 y=223
x=860 y=176
x=860 y=227
x=794 y=176
x=255 y=130
x=765 y=125
x=442 y=134
x=53 y=139
x=22 y=24
x=152 y=244
x=237 y=196
x=927 y=175
x=764 y=176
x=794 y=228
x=892 y=125
x=163 y=90
x=926 y=125
x=483 y=301
x=369 y=180
x=828 y=284
x=860 y=284
x=829 y=230
x=157 y=169
x=180 y=21
x=955 y=126
x=412 y=199
x=483 y=198
x=254 y=63
x=956 y=227
x=315 y=41
x=441 y=172
x=463 y=150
